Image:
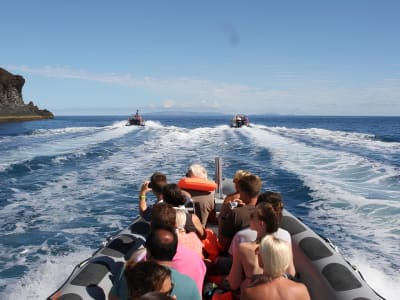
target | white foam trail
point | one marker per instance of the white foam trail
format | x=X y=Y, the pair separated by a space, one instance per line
x=386 y=286
x=43 y=279
x=352 y=195
x=62 y=144
x=58 y=131
x=341 y=138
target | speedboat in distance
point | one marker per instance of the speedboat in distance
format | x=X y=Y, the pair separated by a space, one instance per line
x=239 y=120
x=136 y=119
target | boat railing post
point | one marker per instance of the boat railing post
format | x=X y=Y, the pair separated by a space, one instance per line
x=218 y=175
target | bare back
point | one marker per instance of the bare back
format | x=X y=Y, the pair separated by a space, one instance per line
x=278 y=289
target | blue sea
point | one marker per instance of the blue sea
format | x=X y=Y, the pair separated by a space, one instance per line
x=68 y=183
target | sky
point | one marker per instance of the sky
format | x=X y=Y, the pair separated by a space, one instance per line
x=255 y=57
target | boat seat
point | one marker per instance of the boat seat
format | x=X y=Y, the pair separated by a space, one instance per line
x=142 y=228
x=122 y=245
x=292 y=225
x=96 y=292
x=91 y=274
x=340 y=277
x=314 y=249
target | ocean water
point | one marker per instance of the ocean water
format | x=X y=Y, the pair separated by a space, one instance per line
x=67 y=184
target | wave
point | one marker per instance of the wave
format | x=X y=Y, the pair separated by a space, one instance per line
x=353 y=200
x=58 y=142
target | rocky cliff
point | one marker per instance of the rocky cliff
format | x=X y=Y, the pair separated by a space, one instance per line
x=12 y=106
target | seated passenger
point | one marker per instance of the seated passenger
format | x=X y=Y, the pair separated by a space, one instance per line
x=147 y=276
x=161 y=246
x=233 y=219
x=203 y=199
x=274 y=257
x=156 y=184
x=186 y=260
x=264 y=221
x=235 y=196
x=173 y=195
x=187 y=239
x=275 y=199
x=248 y=235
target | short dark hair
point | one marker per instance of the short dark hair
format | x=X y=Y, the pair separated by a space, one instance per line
x=144 y=277
x=162 y=243
x=157 y=182
x=173 y=195
x=162 y=214
x=250 y=184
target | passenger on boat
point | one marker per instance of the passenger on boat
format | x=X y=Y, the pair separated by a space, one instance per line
x=202 y=198
x=188 y=239
x=249 y=235
x=236 y=196
x=264 y=221
x=173 y=195
x=186 y=260
x=147 y=276
x=275 y=199
x=161 y=245
x=274 y=256
x=237 y=217
x=156 y=184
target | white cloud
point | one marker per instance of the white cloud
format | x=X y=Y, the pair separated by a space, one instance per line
x=303 y=94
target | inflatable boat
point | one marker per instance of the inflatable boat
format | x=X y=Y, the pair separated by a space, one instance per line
x=239 y=120
x=318 y=263
x=136 y=119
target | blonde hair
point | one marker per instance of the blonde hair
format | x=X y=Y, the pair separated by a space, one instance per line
x=275 y=255
x=197 y=170
x=239 y=174
x=180 y=219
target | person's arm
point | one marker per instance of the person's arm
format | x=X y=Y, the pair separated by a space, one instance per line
x=291 y=269
x=201 y=233
x=142 y=197
x=232 y=197
x=225 y=227
x=235 y=274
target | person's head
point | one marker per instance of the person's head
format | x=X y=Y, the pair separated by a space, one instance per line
x=264 y=219
x=161 y=244
x=157 y=182
x=275 y=199
x=173 y=195
x=147 y=276
x=162 y=214
x=197 y=170
x=249 y=185
x=180 y=219
x=239 y=174
x=274 y=256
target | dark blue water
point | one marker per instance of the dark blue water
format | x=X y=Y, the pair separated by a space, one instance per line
x=68 y=183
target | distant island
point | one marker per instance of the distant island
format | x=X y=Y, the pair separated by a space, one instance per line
x=12 y=106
